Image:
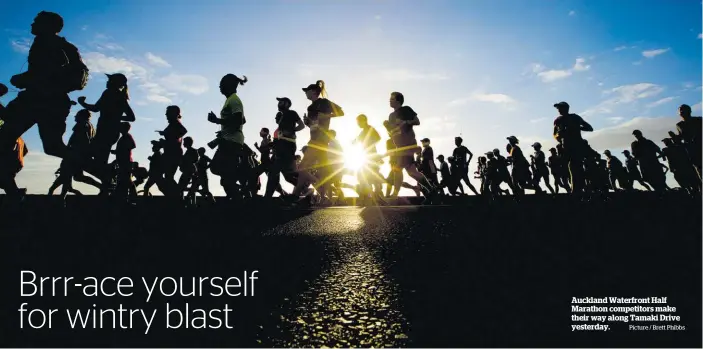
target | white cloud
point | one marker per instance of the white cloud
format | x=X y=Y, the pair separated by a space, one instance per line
x=84 y=28
x=558 y=74
x=157 y=61
x=700 y=36
x=100 y=63
x=615 y=119
x=620 y=136
x=406 y=75
x=624 y=47
x=191 y=83
x=572 y=13
x=159 y=99
x=497 y=98
x=654 y=53
x=623 y=95
x=696 y=107
x=661 y=101
x=538 y=120
x=21 y=45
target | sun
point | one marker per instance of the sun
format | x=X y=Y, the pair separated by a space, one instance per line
x=354 y=157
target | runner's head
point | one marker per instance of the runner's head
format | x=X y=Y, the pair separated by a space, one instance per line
x=684 y=111
x=117 y=82
x=440 y=157
x=627 y=153
x=637 y=134
x=482 y=159
x=553 y=151
x=284 y=103
x=668 y=142
x=362 y=121
x=397 y=100
x=607 y=153
x=513 y=140
x=201 y=151
x=496 y=151
x=425 y=142
x=562 y=108
x=315 y=91
x=458 y=141
x=173 y=113
x=537 y=146
x=83 y=115
x=230 y=82
x=264 y=132
x=188 y=142
x=47 y=23
x=332 y=134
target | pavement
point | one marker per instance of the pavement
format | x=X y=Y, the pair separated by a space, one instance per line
x=464 y=274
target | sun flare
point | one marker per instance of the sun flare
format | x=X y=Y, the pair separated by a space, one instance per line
x=354 y=157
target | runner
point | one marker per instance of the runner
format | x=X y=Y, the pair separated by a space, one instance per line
x=463 y=157
x=540 y=170
x=567 y=131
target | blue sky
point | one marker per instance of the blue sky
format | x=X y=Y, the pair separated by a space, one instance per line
x=482 y=69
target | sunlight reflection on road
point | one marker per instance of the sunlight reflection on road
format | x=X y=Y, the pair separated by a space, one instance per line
x=352 y=304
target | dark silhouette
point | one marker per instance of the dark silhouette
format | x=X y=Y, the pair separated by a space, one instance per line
x=647 y=154
x=560 y=172
x=190 y=158
x=633 y=170
x=680 y=165
x=369 y=176
x=54 y=68
x=427 y=166
x=540 y=170
x=463 y=157
x=284 y=146
x=114 y=108
x=689 y=129
x=201 y=182
x=522 y=178
x=616 y=172
x=567 y=131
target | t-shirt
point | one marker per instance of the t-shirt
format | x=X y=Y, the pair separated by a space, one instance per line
x=631 y=164
x=444 y=170
x=189 y=159
x=124 y=149
x=555 y=163
x=368 y=139
x=518 y=156
x=568 y=129
x=428 y=160
x=155 y=164
x=202 y=164
x=540 y=159
x=461 y=155
x=83 y=134
x=112 y=105
x=265 y=150
x=676 y=156
x=403 y=135
x=173 y=135
x=232 y=106
x=320 y=126
x=45 y=61
x=287 y=121
x=645 y=150
x=614 y=164
x=690 y=131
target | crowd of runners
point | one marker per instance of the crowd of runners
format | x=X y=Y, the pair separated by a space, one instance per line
x=55 y=69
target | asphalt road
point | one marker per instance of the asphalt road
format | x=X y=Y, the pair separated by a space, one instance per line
x=460 y=276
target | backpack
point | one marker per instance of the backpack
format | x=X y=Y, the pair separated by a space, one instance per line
x=75 y=73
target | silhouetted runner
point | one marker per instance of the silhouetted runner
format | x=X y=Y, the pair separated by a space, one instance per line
x=230 y=138
x=173 y=144
x=369 y=176
x=648 y=153
x=54 y=68
x=114 y=108
x=319 y=114
x=541 y=171
x=559 y=171
x=689 y=129
x=11 y=168
x=401 y=122
x=202 y=183
x=633 y=171
x=427 y=165
x=616 y=172
x=522 y=178
x=680 y=165
x=567 y=131
x=463 y=157
x=123 y=155
x=502 y=172
x=447 y=181
x=188 y=161
x=284 y=146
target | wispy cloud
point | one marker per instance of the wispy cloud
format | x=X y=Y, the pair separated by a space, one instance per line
x=572 y=13
x=157 y=61
x=191 y=83
x=615 y=119
x=654 y=53
x=98 y=62
x=696 y=107
x=620 y=136
x=558 y=74
x=538 y=120
x=700 y=36
x=102 y=42
x=158 y=99
x=495 y=98
x=407 y=75
x=661 y=101
x=624 y=94
x=21 y=45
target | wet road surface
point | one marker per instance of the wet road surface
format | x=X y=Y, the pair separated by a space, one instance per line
x=378 y=277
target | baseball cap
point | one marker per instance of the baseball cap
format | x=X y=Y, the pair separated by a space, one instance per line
x=440 y=156
x=536 y=144
x=425 y=140
x=312 y=87
x=284 y=99
x=561 y=104
x=636 y=132
x=119 y=77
